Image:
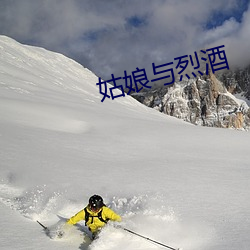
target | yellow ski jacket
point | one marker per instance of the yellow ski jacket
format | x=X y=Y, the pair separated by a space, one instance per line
x=94 y=223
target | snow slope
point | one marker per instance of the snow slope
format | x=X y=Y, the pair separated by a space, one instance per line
x=176 y=183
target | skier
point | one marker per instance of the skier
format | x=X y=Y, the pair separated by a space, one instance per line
x=95 y=214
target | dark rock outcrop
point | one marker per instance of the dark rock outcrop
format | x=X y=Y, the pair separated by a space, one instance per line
x=204 y=102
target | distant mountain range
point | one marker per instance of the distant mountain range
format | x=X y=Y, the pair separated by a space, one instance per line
x=214 y=101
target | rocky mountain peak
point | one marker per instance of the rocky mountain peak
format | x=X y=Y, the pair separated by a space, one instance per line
x=203 y=101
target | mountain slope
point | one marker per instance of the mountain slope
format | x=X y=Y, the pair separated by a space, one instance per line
x=182 y=185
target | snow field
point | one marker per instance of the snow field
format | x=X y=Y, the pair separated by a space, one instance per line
x=181 y=185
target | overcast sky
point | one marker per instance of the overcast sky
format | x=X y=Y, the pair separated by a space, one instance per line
x=110 y=36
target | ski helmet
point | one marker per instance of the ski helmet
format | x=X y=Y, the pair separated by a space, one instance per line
x=95 y=202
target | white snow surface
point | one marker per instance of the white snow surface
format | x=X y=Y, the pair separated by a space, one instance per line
x=182 y=185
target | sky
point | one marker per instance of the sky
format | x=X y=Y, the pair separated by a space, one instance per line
x=111 y=36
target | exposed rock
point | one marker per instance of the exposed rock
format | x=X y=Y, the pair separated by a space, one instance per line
x=236 y=80
x=201 y=102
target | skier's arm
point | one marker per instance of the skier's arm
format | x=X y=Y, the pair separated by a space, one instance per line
x=77 y=217
x=110 y=214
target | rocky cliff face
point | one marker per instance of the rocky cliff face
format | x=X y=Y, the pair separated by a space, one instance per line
x=199 y=101
x=237 y=81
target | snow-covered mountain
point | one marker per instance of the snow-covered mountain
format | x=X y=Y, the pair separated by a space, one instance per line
x=182 y=185
x=204 y=101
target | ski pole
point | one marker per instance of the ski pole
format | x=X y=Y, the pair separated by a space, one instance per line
x=45 y=228
x=146 y=238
